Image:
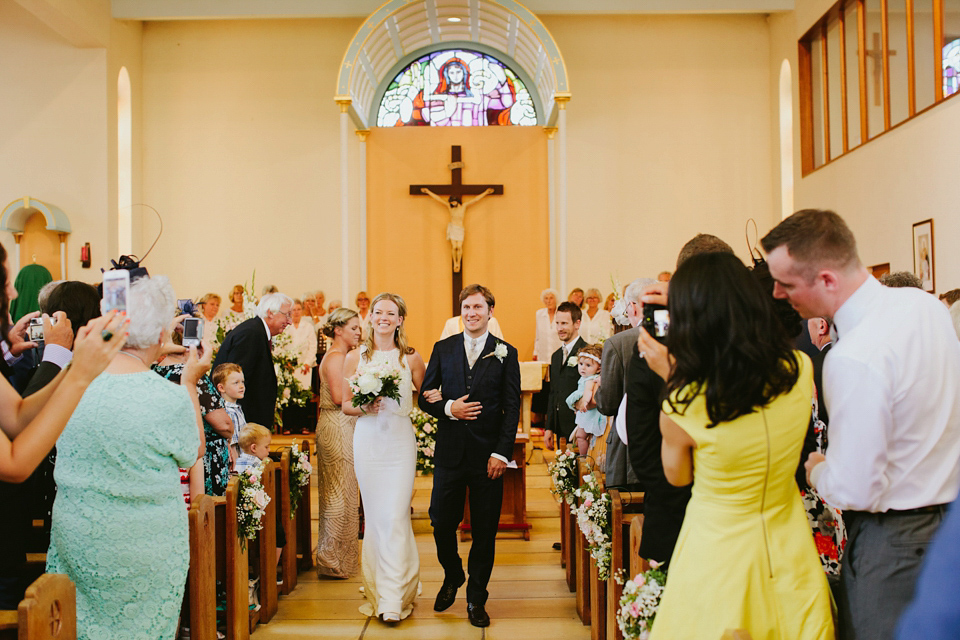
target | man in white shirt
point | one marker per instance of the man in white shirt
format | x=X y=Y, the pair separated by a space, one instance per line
x=892 y=384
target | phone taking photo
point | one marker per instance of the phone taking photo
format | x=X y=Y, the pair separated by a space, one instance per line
x=192 y=332
x=116 y=290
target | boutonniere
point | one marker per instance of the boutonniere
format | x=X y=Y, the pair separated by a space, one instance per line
x=500 y=351
x=572 y=361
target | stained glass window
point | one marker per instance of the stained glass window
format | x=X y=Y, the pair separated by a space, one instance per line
x=951 y=68
x=456 y=88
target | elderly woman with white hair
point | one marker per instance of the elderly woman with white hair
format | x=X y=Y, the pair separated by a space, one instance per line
x=119 y=526
x=595 y=326
x=545 y=341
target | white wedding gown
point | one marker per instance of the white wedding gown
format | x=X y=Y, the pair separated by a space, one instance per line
x=385 y=459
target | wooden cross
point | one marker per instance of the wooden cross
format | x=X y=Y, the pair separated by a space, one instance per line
x=456 y=189
x=876 y=54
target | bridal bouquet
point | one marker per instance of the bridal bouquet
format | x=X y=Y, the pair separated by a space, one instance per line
x=373 y=380
x=640 y=601
x=300 y=470
x=593 y=517
x=252 y=503
x=563 y=470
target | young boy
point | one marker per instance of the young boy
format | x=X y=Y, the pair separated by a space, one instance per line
x=228 y=378
x=254 y=444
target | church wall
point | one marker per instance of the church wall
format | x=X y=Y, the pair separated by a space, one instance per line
x=506 y=244
x=669 y=135
x=53 y=130
x=241 y=153
x=883 y=187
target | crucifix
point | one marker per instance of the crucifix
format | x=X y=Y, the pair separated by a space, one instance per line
x=457 y=209
x=876 y=55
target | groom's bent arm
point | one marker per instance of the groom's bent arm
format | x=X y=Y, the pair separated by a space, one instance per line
x=510 y=397
x=431 y=380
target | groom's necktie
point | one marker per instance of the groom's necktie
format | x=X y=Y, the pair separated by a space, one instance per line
x=473 y=352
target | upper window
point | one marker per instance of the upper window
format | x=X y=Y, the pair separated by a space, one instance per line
x=456 y=88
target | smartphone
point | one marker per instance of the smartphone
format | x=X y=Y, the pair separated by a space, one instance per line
x=192 y=332
x=656 y=320
x=35 y=330
x=116 y=289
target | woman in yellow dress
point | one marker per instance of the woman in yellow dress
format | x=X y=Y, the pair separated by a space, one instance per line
x=733 y=423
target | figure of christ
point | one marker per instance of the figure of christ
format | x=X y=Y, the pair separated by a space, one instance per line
x=455 y=230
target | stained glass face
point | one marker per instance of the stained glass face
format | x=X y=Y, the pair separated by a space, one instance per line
x=456 y=88
x=951 y=68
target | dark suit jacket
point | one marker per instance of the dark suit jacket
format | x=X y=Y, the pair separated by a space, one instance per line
x=492 y=383
x=643 y=422
x=44 y=374
x=563 y=382
x=248 y=345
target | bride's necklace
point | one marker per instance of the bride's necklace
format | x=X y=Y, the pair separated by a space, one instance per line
x=133 y=355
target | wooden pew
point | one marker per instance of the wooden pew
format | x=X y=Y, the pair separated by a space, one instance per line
x=48 y=610
x=264 y=556
x=200 y=614
x=568 y=539
x=623 y=507
x=582 y=561
x=304 y=548
x=637 y=564
x=288 y=561
x=232 y=568
x=598 y=604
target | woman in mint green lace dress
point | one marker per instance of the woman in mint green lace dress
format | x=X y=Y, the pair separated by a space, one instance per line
x=119 y=526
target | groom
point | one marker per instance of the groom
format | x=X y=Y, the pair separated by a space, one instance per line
x=479 y=378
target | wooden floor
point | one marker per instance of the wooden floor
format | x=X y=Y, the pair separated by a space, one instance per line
x=528 y=594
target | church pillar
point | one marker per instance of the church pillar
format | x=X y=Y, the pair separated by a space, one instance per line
x=561 y=189
x=552 y=201
x=362 y=224
x=344 y=103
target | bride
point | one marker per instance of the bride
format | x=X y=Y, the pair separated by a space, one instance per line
x=385 y=456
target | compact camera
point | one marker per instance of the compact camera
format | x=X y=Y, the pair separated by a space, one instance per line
x=192 y=332
x=656 y=320
x=35 y=330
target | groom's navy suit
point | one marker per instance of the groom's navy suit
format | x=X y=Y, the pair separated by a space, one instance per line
x=463 y=449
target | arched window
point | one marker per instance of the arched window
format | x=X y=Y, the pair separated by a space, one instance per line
x=456 y=88
x=124 y=164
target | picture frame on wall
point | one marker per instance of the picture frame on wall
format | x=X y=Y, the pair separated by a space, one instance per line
x=923 y=263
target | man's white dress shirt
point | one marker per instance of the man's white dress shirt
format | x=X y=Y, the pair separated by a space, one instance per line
x=892 y=386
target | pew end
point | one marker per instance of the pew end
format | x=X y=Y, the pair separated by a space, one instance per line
x=48 y=611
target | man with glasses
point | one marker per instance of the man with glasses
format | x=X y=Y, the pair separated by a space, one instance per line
x=249 y=345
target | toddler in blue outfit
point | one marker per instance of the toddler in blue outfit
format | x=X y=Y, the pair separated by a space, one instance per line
x=590 y=422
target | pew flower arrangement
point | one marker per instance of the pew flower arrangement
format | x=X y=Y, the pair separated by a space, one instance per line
x=563 y=470
x=252 y=503
x=425 y=428
x=593 y=517
x=300 y=470
x=640 y=601
x=286 y=361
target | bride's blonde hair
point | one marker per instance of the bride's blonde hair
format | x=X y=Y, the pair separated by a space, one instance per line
x=399 y=336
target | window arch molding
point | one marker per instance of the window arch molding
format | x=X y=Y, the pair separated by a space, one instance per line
x=501 y=57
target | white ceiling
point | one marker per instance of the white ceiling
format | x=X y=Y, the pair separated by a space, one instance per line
x=213 y=9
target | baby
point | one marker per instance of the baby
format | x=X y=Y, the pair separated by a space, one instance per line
x=590 y=423
x=254 y=446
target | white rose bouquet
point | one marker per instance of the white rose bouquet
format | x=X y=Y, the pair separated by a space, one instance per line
x=252 y=503
x=593 y=517
x=563 y=471
x=640 y=602
x=373 y=380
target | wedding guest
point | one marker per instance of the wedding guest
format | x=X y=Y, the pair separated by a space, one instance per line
x=363 y=308
x=228 y=378
x=596 y=325
x=338 y=521
x=303 y=338
x=892 y=383
x=210 y=307
x=217 y=425
x=664 y=276
x=563 y=374
x=236 y=299
x=385 y=462
x=898 y=279
x=248 y=345
x=310 y=309
x=737 y=408
x=609 y=302
x=334 y=304
x=255 y=447
x=319 y=299
x=576 y=297
x=545 y=340
x=950 y=297
x=268 y=289
x=121 y=505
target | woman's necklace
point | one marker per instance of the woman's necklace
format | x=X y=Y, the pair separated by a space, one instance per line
x=133 y=355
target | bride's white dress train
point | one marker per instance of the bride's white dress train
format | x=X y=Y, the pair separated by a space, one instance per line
x=385 y=459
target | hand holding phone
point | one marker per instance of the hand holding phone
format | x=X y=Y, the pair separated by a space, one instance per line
x=192 y=332
x=116 y=290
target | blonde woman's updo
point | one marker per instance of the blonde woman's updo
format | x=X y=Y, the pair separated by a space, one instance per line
x=339 y=318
